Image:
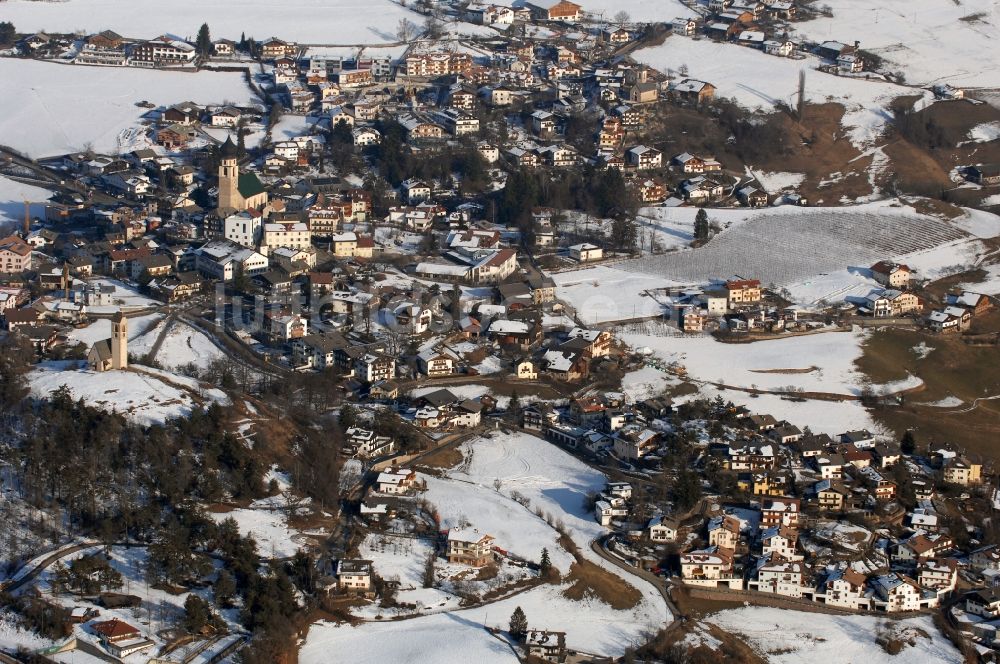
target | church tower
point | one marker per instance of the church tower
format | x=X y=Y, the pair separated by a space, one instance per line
x=229 y=176
x=119 y=341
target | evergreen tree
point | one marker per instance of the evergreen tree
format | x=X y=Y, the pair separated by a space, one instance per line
x=197 y=614
x=225 y=589
x=348 y=416
x=204 y=42
x=545 y=564
x=7 y=33
x=701 y=226
x=624 y=234
x=515 y=402
x=908 y=443
x=518 y=624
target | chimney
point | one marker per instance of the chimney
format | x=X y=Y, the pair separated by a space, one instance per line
x=27 y=218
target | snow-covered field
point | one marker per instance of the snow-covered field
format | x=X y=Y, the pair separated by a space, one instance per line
x=182 y=346
x=553 y=481
x=515 y=528
x=821 y=362
x=639 y=10
x=604 y=293
x=757 y=80
x=791 y=246
x=928 y=40
x=444 y=638
x=268 y=527
x=815 y=363
x=12 y=197
x=138 y=328
x=145 y=395
x=985 y=132
x=312 y=21
x=50 y=109
x=793 y=637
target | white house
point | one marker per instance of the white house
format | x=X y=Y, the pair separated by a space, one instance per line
x=585 y=252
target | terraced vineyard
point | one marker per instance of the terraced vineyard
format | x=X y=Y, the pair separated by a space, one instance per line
x=783 y=248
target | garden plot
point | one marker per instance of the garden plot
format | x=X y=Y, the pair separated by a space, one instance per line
x=788 y=246
x=793 y=637
x=35 y=109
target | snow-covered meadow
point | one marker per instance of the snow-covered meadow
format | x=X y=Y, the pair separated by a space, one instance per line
x=794 y=637
x=49 y=109
x=757 y=80
x=929 y=41
x=143 y=394
x=12 y=197
x=790 y=246
x=815 y=363
x=557 y=484
x=312 y=21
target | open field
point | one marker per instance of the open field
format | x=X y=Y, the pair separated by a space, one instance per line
x=790 y=637
x=929 y=41
x=309 y=21
x=786 y=246
x=760 y=81
x=49 y=109
x=955 y=376
x=142 y=394
x=12 y=197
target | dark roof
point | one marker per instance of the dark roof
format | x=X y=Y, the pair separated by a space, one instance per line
x=249 y=185
x=229 y=149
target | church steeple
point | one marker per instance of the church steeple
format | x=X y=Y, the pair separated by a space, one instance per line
x=119 y=341
x=229 y=175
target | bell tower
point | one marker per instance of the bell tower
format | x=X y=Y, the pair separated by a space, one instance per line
x=229 y=175
x=119 y=341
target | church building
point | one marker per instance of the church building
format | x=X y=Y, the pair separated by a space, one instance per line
x=111 y=354
x=238 y=191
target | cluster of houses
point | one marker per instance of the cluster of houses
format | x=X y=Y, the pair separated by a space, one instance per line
x=805 y=527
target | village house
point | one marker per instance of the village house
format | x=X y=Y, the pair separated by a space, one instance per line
x=585 y=252
x=644 y=157
x=662 y=529
x=710 y=567
x=781 y=577
x=891 y=275
x=554 y=10
x=844 y=588
x=724 y=532
x=396 y=481
x=468 y=546
x=546 y=646
x=961 y=471
x=354 y=576
x=121 y=639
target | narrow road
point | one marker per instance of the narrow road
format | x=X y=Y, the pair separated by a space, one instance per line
x=46 y=562
x=599 y=547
